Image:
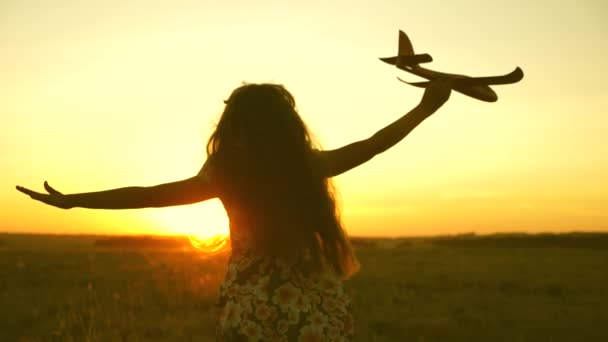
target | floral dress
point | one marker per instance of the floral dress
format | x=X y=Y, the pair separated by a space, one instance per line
x=263 y=299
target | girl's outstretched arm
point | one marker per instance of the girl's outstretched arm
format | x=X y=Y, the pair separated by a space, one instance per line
x=335 y=162
x=191 y=190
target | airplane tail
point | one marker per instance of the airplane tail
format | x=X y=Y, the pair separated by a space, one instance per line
x=406 y=55
x=405 y=46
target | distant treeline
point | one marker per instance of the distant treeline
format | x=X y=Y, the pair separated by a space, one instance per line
x=564 y=240
x=363 y=242
x=510 y=240
x=507 y=240
x=143 y=241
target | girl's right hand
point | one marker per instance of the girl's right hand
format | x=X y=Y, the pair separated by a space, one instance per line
x=52 y=197
x=435 y=95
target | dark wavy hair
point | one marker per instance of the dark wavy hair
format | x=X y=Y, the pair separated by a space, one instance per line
x=266 y=160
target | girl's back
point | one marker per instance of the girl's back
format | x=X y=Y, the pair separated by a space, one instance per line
x=269 y=294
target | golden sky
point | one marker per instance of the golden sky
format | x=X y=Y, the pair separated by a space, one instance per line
x=104 y=94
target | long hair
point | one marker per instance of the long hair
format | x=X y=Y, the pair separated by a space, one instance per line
x=267 y=162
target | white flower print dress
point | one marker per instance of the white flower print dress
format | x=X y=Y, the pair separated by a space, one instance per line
x=271 y=300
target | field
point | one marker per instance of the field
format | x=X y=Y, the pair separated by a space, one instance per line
x=462 y=288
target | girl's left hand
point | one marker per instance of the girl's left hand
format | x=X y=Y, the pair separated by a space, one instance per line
x=436 y=94
x=53 y=197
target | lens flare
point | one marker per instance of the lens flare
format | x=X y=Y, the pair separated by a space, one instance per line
x=211 y=245
x=205 y=224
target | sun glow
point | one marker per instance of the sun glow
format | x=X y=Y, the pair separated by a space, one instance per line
x=210 y=245
x=205 y=224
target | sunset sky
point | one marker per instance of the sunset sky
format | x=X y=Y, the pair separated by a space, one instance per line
x=104 y=94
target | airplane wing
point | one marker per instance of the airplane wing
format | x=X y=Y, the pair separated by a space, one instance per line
x=415 y=84
x=512 y=77
x=408 y=60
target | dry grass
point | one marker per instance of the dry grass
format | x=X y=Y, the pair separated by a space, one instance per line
x=70 y=289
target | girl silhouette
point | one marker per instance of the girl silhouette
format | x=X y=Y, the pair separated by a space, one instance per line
x=289 y=250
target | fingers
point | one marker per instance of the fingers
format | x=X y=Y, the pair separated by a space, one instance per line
x=34 y=194
x=47 y=187
x=50 y=189
x=436 y=94
x=44 y=198
x=54 y=197
x=27 y=191
x=442 y=83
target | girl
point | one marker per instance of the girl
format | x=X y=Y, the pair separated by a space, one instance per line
x=289 y=250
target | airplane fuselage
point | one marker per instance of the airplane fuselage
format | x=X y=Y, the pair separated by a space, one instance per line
x=481 y=92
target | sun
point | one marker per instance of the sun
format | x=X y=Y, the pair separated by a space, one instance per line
x=205 y=224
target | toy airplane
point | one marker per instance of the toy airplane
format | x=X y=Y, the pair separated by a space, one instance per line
x=475 y=87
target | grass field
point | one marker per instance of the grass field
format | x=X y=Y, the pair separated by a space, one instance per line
x=466 y=288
